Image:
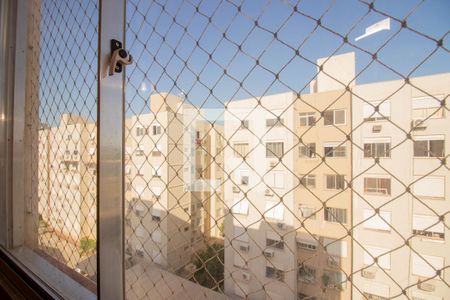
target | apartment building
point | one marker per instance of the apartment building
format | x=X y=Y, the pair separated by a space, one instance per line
x=171 y=162
x=401 y=138
x=323 y=199
x=260 y=251
x=67 y=177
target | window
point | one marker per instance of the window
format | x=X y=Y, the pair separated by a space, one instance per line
x=275 y=179
x=274 y=240
x=336 y=215
x=334 y=117
x=335 y=182
x=307 y=244
x=336 y=248
x=306 y=273
x=382 y=256
x=379 y=186
x=428 y=227
x=429 y=187
x=140 y=131
x=244 y=125
x=334 y=150
x=156 y=150
x=424 y=107
x=308 y=181
x=383 y=113
x=307 y=212
x=156 y=214
x=156 y=130
x=426 y=265
x=307 y=119
x=274 y=122
x=242 y=177
x=274 y=273
x=275 y=149
x=377 y=147
x=308 y=150
x=429 y=146
x=240 y=149
x=274 y=210
x=334 y=279
x=240 y=207
x=140 y=150
x=378 y=221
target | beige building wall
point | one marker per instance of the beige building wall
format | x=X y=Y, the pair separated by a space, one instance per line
x=261 y=208
x=400 y=267
x=316 y=262
x=169 y=170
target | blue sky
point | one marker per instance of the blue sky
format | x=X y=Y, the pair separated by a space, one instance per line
x=203 y=79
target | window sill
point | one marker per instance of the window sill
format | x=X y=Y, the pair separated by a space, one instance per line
x=51 y=278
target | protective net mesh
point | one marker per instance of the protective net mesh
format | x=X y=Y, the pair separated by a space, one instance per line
x=63 y=98
x=273 y=149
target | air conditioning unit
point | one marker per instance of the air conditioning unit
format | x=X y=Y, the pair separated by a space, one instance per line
x=268 y=192
x=246 y=276
x=426 y=286
x=369 y=274
x=418 y=124
x=269 y=253
x=236 y=189
x=139 y=213
x=244 y=248
x=376 y=128
x=281 y=226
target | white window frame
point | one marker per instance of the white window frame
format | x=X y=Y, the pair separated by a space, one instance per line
x=334 y=117
x=306 y=117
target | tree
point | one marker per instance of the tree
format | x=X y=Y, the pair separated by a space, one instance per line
x=210 y=267
x=87 y=245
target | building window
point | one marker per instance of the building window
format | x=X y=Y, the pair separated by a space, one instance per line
x=307 y=245
x=156 y=130
x=335 y=182
x=334 y=150
x=240 y=207
x=275 y=149
x=308 y=181
x=335 y=215
x=307 y=119
x=380 y=221
x=426 y=265
x=240 y=149
x=274 y=241
x=379 y=186
x=242 y=177
x=244 y=125
x=157 y=150
x=432 y=187
x=307 y=212
x=377 y=149
x=427 y=107
x=429 y=146
x=275 y=179
x=274 y=210
x=274 y=122
x=334 y=279
x=306 y=274
x=308 y=150
x=274 y=273
x=140 y=150
x=140 y=131
x=334 y=117
x=383 y=113
x=428 y=227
